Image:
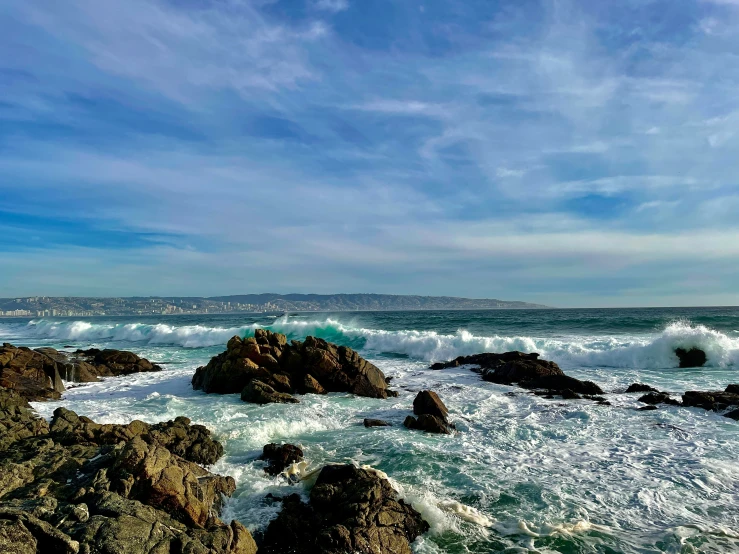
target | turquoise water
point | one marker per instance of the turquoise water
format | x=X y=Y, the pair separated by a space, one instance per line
x=536 y=475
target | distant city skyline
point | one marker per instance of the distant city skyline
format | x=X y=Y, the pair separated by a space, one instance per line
x=573 y=154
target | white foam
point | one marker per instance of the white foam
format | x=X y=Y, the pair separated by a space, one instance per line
x=467 y=513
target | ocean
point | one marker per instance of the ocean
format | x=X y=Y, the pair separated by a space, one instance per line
x=522 y=474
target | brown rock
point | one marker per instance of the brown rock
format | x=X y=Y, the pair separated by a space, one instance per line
x=428 y=402
x=261 y=393
x=280 y=456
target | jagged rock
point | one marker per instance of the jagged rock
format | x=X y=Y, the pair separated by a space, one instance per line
x=311 y=366
x=37 y=374
x=191 y=442
x=121 y=495
x=710 y=400
x=376 y=423
x=428 y=423
x=261 y=393
x=640 y=387
x=428 y=402
x=280 y=456
x=693 y=357
x=658 y=398
x=350 y=510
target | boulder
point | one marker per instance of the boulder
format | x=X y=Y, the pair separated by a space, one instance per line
x=640 y=387
x=368 y=422
x=561 y=383
x=732 y=389
x=648 y=408
x=428 y=423
x=693 y=357
x=261 y=393
x=428 y=402
x=310 y=366
x=280 y=456
x=658 y=398
x=350 y=510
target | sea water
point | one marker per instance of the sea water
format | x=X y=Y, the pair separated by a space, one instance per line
x=522 y=474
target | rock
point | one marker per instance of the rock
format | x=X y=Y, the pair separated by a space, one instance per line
x=261 y=393
x=732 y=389
x=127 y=493
x=694 y=357
x=647 y=408
x=569 y=394
x=37 y=374
x=733 y=414
x=311 y=366
x=280 y=456
x=658 y=398
x=376 y=423
x=710 y=400
x=561 y=383
x=428 y=423
x=428 y=402
x=640 y=387
x=191 y=442
x=350 y=510
x=310 y=385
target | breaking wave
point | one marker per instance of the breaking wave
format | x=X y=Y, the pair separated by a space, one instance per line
x=656 y=350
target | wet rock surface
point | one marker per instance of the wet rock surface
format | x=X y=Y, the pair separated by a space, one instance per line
x=640 y=387
x=432 y=414
x=716 y=401
x=309 y=366
x=37 y=374
x=350 y=510
x=280 y=456
x=369 y=422
x=79 y=487
x=525 y=370
x=692 y=357
x=655 y=398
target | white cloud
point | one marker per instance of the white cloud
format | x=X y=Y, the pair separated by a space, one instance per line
x=332 y=5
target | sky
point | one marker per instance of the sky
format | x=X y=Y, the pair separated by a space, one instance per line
x=570 y=153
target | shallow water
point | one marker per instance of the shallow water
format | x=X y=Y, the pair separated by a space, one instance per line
x=543 y=475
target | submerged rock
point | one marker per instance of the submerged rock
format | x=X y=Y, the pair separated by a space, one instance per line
x=280 y=457
x=80 y=487
x=693 y=357
x=311 y=366
x=654 y=398
x=368 y=422
x=351 y=510
x=640 y=387
x=563 y=384
x=716 y=401
x=37 y=374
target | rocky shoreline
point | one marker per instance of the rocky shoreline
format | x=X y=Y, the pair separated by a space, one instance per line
x=75 y=486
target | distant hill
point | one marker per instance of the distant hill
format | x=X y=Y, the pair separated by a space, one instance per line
x=364 y=302
x=68 y=306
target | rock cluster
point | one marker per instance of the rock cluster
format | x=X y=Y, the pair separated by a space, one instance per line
x=37 y=374
x=726 y=401
x=77 y=487
x=266 y=368
x=526 y=370
x=350 y=510
x=432 y=414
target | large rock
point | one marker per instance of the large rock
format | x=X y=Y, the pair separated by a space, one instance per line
x=191 y=442
x=640 y=387
x=108 y=489
x=257 y=392
x=310 y=366
x=350 y=510
x=711 y=400
x=692 y=357
x=561 y=384
x=432 y=414
x=654 y=398
x=280 y=456
x=37 y=374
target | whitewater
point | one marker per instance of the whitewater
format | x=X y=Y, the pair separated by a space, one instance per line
x=523 y=473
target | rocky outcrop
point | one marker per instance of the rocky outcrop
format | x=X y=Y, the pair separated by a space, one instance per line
x=79 y=487
x=278 y=368
x=257 y=392
x=37 y=374
x=716 y=401
x=432 y=414
x=692 y=357
x=350 y=510
x=280 y=456
x=191 y=442
x=640 y=387
x=526 y=370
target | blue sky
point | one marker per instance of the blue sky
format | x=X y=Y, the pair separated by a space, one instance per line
x=568 y=153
